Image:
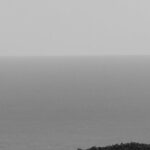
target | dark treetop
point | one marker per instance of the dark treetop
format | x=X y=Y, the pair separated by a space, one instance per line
x=123 y=146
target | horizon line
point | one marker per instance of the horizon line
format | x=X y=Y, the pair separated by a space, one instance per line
x=74 y=54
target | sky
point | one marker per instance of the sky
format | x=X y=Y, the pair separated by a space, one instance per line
x=74 y=27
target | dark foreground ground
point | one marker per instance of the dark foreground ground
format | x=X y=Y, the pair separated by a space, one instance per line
x=123 y=146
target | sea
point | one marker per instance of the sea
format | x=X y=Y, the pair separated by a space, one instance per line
x=70 y=102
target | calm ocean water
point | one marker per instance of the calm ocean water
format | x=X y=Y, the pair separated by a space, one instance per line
x=62 y=103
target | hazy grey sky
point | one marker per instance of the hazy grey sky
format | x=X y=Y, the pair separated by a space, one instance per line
x=74 y=26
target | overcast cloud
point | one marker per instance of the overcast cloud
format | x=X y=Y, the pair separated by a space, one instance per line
x=74 y=26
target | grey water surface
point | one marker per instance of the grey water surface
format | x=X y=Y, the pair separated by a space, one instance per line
x=62 y=103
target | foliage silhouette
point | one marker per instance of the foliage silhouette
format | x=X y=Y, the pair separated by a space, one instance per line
x=122 y=146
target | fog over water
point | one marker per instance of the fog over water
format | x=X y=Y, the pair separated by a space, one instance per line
x=62 y=103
